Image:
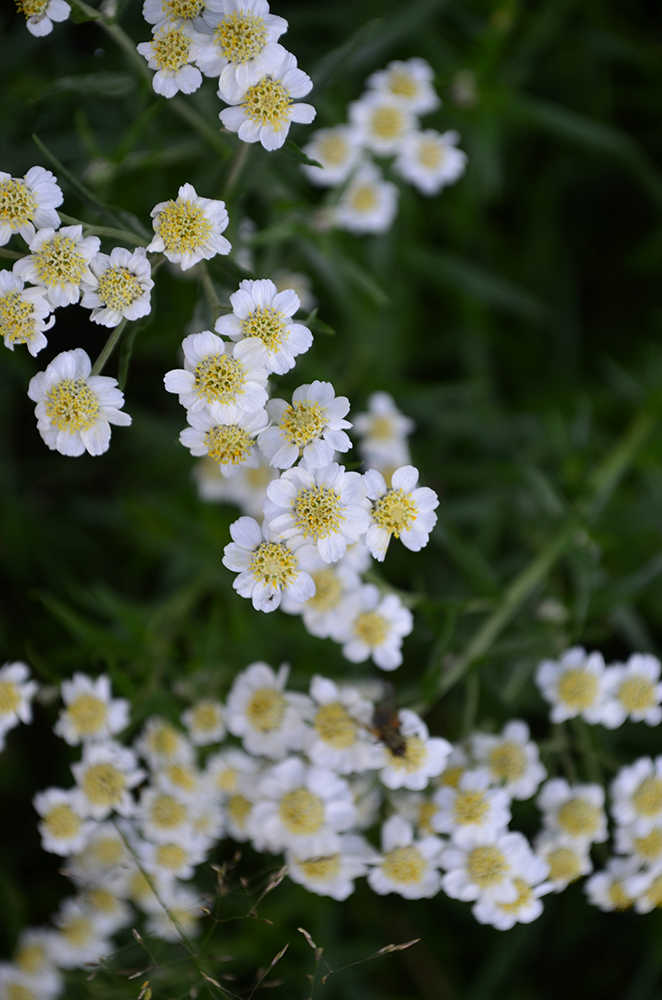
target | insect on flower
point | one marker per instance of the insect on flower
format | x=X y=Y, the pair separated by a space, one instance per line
x=386 y=724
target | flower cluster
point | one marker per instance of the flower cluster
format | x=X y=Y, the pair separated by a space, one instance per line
x=40 y=14
x=384 y=122
x=236 y=42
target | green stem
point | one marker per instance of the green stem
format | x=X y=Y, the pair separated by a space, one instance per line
x=212 y=298
x=236 y=168
x=118 y=234
x=11 y=254
x=108 y=348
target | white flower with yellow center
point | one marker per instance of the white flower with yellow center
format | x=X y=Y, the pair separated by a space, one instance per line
x=269 y=720
x=16 y=694
x=104 y=855
x=230 y=446
x=204 y=722
x=567 y=860
x=91 y=713
x=420 y=758
x=575 y=685
x=326 y=507
x=197 y=14
x=28 y=203
x=530 y=884
x=312 y=426
x=645 y=847
x=15 y=984
x=339 y=738
x=40 y=14
x=381 y=122
x=334 y=874
x=182 y=779
x=484 y=864
x=336 y=150
x=264 y=110
x=262 y=316
x=243 y=44
x=326 y=612
x=32 y=958
x=222 y=379
x=645 y=888
x=368 y=204
x=408 y=866
x=79 y=940
x=636 y=795
x=75 y=409
x=634 y=692
x=171 y=52
x=227 y=772
x=430 y=160
x=408 y=82
x=105 y=775
x=109 y=911
x=575 y=813
x=162 y=744
x=25 y=313
x=60 y=262
x=181 y=916
x=268 y=568
x=121 y=288
x=302 y=808
x=164 y=817
x=64 y=828
x=512 y=759
x=374 y=627
x=399 y=511
x=383 y=430
x=472 y=803
x=189 y=229
x=609 y=889
x=171 y=859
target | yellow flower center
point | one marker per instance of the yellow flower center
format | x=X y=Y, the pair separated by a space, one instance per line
x=618 y=897
x=239 y=809
x=139 y=889
x=426 y=811
x=219 y=378
x=241 y=36
x=228 y=444
x=404 y=865
x=395 y=512
x=77 y=931
x=470 y=807
x=206 y=716
x=17 y=991
x=507 y=761
x=381 y=428
x=187 y=9
x=332 y=150
x=61 y=822
x=267 y=324
x=17 y=203
x=328 y=591
x=167 y=813
x=578 y=689
x=101 y=900
x=363 y=198
x=59 y=262
x=267 y=103
x=17 y=322
x=647 y=799
x=637 y=694
x=579 y=818
x=451 y=776
x=274 y=564
x=87 y=713
x=564 y=864
x=321 y=869
x=431 y=155
x=32 y=8
x=103 y=784
x=335 y=726
x=649 y=847
x=317 y=512
x=371 y=628
x=402 y=84
x=72 y=406
x=170 y=856
x=106 y=852
x=31 y=958
x=266 y=709
x=414 y=756
x=118 y=288
x=524 y=896
x=487 y=866
x=387 y=122
x=301 y=812
x=170 y=49
x=226 y=780
x=164 y=740
x=182 y=776
x=10 y=698
x=183 y=226
x=302 y=422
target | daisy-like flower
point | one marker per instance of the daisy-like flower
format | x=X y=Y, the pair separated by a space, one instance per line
x=400 y=510
x=325 y=613
x=60 y=262
x=121 y=288
x=171 y=52
x=269 y=720
x=183 y=909
x=610 y=889
x=226 y=771
x=163 y=818
x=80 y=940
x=161 y=744
x=75 y=409
x=189 y=229
x=512 y=759
x=204 y=722
x=312 y=427
x=197 y=14
x=266 y=567
x=25 y=314
x=334 y=874
x=574 y=685
x=224 y=380
x=383 y=429
x=91 y=713
x=381 y=122
x=471 y=804
x=16 y=694
x=299 y=283
x=28 y=203
x=171 y=859
x=264 y=110
x=484 y=864
x=40 y=14
x=368 y=204
x=243 y=44
x=409 y=82
x=430 y=160
x=574 y=812
x=375 y=626
x=645 y=889
x=105 y=776
x=230 y=446
x=336 y=150
x=531 y=883
x=302 y=808
x=340 y=738
x=181 y=778
x=64 y=828
x=32 y=957
x=16 y=983
x=567 y=860
x=634 y=691
x=326 y=506
x=263 y=316
x=422 y=757
x=645 y=847
x=246 y=489
x=407 y=866
x=636 y=794
x=109 y=911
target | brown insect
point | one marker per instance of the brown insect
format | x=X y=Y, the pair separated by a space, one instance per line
x=386 y=724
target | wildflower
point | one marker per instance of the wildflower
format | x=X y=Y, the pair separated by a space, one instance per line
x=181 y=778
x=103 y=856
x=59 y=262
x=243 y=44
x=471 y=804
x=161 y=744
x=171 y=52
x=79 y=940
x=204 y=721
x=181 y=914
x=25 y=314
x=40 y=14
x=169 y=860
x=636 y=794
x=407 y=865
x=430 y=160
x=645 y=847
x=163 y=817
x=567 y=860
x=228 y=770
x=16 y=983
x=91 y=713
x=75 y=409
x=64 y=829
x=189 y=229
x=610 y=889
x=400 y=510
x=382 y=430
x=264 y=109
x=339 y=737
x=28 y=203
x=336 y=150
x=110 y=913
x=513 y=759
x=574 y=686
x=312 y=427
x=16 y=694
x=484 y=864
x=423 y=757
x=381 y=122
x=105 y=776
x=269 y=720
x=246 y=488
x=230 y=446
x=375 y=626
x=334 y=874
x=408 y=82
x=633 y=691
x=368 y=204
x=530 y=885
x=575 y=813
x=122 y=286
x=325 y=613
x=197 y=14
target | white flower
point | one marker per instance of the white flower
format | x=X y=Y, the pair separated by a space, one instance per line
x=121 y=288
x=409 y=82
x=312 y=426
x=267 y=568
x=64 y=829
x=407 y=865
x=40 y=14
x=189 y=229
x=264 y=110
x=326 y=612
x=262 y=315
x=471 y=804
x=16 y=982
x=204 y=722
x=80 y=940
x=75 y=409
x=16 y=694
x=105 y=776
x=633 y=691
x=247 y=488
x=28 y=203
x=337 y=150
x=513 y=759
x=334 y=874
x=340 y=736
x=526 y=907
x=199 y=14
x=32 y=958
x=609 y=889
x=484 y=864
x=574 y=685
x=110 y=913
x=645 y=847
x=171 y=859
x=636 y=794
x=59 y=262
x=91 y=713
x=375 y=626
x=567 y=860
x=383 y=429
x=183 y=909
x=269 y=720
x=171 y=52
x=299 y=283
x=181 y=778
x=381 y=122
x=25 y=313
x=645 y=889
x=574 y=812
x=422 y=757
x=104 y=855
x=401 y=510
x=164 y=818
x=243 y=44
x=161 y=744
x=230 y=446
x=223 y=379
x=368 y=204
x=430 y=160
x=227 y=771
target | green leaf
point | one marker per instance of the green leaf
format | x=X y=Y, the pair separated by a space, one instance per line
x=110 y=85
x=294 y=152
